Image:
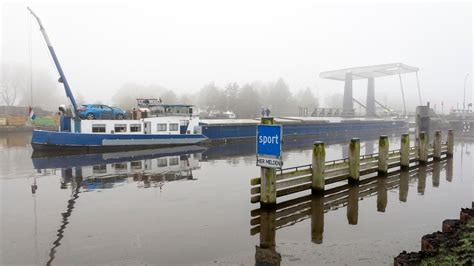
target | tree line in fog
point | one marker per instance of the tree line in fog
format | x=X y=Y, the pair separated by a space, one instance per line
x=244 y=100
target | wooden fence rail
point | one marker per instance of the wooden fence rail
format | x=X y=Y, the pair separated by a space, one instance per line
x=296 y=210
x=319 y=173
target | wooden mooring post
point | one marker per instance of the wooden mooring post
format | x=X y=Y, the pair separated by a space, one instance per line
x=319 y=173
x=268 y=177
x=383 y=155
x=354 y=159
x=423 y=147
x=405 y=151
x=450 y=150
x=318 y=166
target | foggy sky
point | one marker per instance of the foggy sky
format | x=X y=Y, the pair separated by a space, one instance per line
x=183 y=45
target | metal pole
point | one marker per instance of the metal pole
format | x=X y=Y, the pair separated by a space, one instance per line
x=403 y=94
x=418 y=84
x=30 y=55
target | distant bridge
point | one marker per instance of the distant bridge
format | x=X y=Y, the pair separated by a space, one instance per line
x=370 y=73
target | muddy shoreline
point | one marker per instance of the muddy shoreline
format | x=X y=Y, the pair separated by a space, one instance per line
x=454 y=245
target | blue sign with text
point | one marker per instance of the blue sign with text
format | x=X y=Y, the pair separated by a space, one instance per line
x=269 y=140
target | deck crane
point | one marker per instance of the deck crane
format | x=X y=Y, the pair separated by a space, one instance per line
x=62 y=78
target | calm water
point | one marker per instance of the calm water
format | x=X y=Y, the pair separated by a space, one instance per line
x=192 y=206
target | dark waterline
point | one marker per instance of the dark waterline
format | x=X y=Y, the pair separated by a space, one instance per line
x=193 y=207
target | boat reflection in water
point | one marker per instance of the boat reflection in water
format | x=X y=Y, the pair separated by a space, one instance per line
x=90 y=172
x=267 y=221
x=108 y=170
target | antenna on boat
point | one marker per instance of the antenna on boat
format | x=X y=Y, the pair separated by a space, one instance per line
x=62 y=78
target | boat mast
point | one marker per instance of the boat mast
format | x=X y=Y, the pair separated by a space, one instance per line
x=62 y=77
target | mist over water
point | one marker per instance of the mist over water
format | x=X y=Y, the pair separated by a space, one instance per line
x=194 y=208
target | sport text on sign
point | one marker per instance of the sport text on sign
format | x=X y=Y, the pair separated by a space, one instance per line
x=269 y=146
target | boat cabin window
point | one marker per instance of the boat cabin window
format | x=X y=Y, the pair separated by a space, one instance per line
x=158 y=110
x=120 y=128
x=120 y=166
x=136 y=165
x=174 y=127
x=174 y=161
x=99 y=169
x=180 y=110
x=162 y=162
x=98 y=128
x=175 y=109
x=135 y=128
x=161 y=127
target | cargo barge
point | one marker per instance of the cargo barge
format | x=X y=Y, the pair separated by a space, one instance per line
x=100 y=135
x=224 y=130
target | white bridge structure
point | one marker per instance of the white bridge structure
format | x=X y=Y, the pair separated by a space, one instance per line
x=370 y=73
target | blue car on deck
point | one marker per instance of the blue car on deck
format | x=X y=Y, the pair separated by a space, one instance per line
x=100 y=111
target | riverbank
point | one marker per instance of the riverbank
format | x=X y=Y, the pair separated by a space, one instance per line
x=453 y=246
x=25 y=128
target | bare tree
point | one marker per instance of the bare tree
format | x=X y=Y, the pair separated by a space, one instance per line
x=12 y=84
x=231 y=93
x=248 y=103
x=8 y=93
x=306 y=98
x=15 y=89
x=212 y=97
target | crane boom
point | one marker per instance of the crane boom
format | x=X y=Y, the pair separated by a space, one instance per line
x=62 y=77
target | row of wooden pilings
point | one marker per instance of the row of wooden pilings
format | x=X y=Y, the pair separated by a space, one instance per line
x=266 y=221
x=316 y=175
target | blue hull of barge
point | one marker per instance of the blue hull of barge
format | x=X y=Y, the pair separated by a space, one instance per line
x=216 y=132
x=44 y=140
x=50 y=140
